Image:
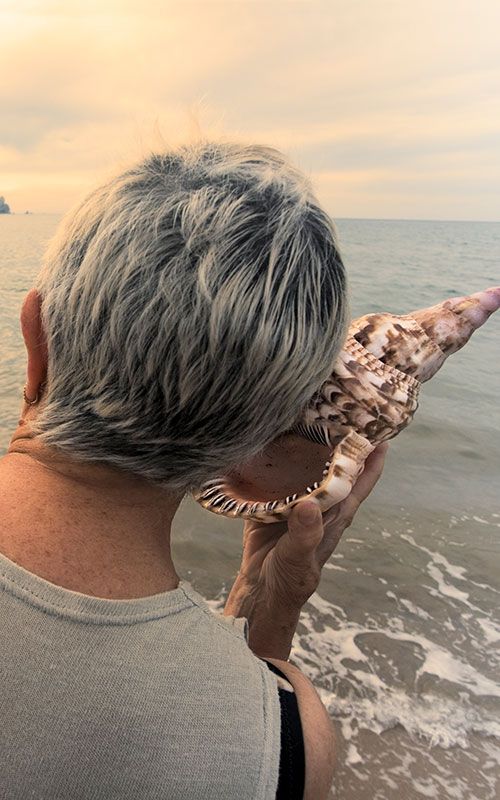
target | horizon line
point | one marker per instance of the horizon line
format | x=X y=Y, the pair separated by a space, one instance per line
x=367 y=219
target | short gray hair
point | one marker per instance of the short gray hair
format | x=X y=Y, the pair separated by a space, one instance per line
x=192 y=305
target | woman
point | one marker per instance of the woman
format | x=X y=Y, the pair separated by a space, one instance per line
x=184 y=314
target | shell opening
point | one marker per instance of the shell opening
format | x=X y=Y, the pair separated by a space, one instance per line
x=290 y=467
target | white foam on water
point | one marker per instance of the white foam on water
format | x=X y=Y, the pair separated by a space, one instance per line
x=452 y=569
x=216 y=605
x=444 y=665
x=493 y=751
x=485 y=586
x=413 y=609
x=329 y=565
x=409 y=606
x=442 y=778
x=427 y=788
x=446 y=589
x=353 y=756
x=358 y=697
x=491 y=631
x=483 y=521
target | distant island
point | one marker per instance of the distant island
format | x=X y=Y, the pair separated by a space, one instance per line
x=4 y=208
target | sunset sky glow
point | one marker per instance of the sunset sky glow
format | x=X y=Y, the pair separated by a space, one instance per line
x=392 y=107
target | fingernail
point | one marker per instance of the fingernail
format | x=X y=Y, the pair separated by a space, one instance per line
x=307 y=512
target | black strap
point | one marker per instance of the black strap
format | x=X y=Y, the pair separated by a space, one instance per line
x=291 y=780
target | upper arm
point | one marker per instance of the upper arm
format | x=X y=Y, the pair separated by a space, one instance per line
x=317 y=730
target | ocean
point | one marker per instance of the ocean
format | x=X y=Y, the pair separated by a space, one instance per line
x=402 y=638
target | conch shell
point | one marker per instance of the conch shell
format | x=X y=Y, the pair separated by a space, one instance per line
x=370 y=397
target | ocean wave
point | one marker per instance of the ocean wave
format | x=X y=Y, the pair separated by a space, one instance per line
x=338 y=657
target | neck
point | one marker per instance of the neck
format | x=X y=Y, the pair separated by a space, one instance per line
x=87 y=527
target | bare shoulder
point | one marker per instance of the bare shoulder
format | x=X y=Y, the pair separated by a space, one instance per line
x=318 y=732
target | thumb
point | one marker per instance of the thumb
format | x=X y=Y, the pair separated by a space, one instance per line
x=305 y=528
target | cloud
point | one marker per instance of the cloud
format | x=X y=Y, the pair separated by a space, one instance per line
x=374 y=100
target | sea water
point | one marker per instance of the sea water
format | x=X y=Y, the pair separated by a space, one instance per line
x=402 y=638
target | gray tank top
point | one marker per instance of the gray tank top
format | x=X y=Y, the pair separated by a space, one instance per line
x=155 y=697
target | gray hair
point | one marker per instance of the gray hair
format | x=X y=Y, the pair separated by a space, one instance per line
x=192 y=305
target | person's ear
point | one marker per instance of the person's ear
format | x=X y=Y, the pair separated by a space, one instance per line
x=35 y=341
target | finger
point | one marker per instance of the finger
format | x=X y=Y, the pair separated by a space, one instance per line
x=305 y=528
x=372 y=471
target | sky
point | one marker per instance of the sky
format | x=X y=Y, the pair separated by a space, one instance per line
x=391 y=107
